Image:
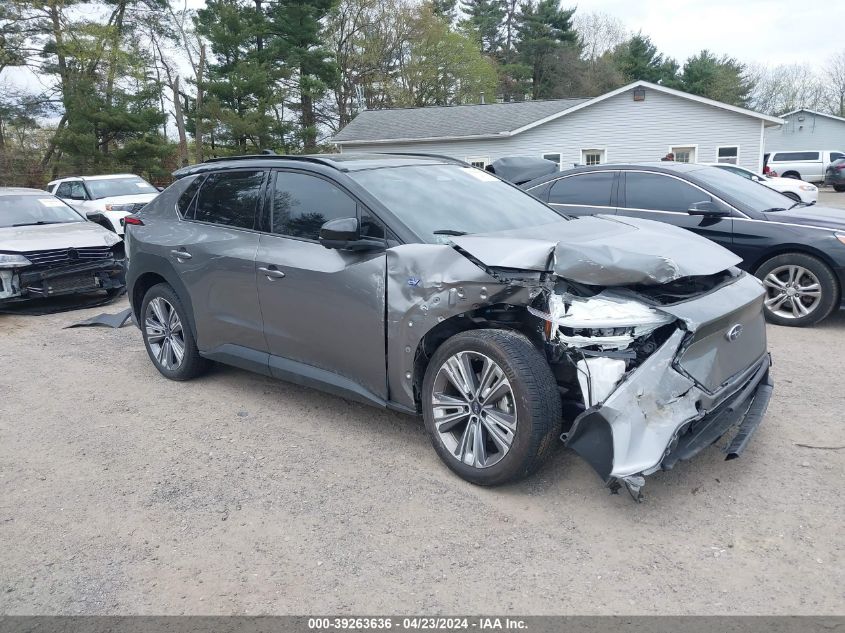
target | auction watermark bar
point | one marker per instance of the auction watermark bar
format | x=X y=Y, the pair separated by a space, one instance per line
x=411 y=623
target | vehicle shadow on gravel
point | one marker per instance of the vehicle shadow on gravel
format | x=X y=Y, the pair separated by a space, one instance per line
x=564 y=478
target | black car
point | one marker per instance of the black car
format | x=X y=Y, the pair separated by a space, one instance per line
x=834 y=176
x=798 y=251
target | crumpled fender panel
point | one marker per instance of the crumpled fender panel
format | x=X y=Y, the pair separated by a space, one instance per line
x=602 y=251
x=427 y=284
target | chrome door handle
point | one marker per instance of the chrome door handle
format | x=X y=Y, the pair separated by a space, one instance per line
x=272 y=273
x=180 y=254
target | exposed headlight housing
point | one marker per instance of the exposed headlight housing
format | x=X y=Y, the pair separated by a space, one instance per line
x=120 y=207
x=13 y=260
x=605 y=320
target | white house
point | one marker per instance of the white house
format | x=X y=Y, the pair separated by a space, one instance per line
x=807 y=130
x=638 y=122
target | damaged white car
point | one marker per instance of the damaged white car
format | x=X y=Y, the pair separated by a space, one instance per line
x=47 y=249
x=426 y=286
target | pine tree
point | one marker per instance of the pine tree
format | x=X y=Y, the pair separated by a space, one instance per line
x=544 y=30
x=722 y=79
x=638 y=59
x=485 y=18
x=295 y=30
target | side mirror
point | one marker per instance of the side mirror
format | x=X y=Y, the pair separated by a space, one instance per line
x=345 y=234
x=707 y=209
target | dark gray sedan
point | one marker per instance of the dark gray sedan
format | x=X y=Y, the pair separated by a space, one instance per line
x=834 y=175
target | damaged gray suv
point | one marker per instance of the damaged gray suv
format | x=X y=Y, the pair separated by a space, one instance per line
x=427 y=286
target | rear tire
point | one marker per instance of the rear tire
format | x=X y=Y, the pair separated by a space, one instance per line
x=800 y=289
x=792 y=196
x=792 y=174
x=167 y=335
x=839 y=188
x=497 y=430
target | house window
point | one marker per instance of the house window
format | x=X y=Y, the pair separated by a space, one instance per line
x=684 y=154
x=727 y=155
x=592 y=156
x=555 y=158
x=478 y=161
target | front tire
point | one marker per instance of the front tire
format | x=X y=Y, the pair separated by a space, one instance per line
x=839 y=188
x=167 y=335
x=800 y=289
x=491 y=406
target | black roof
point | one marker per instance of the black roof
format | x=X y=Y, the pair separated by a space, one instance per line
x=666 y=167
x=341 y=162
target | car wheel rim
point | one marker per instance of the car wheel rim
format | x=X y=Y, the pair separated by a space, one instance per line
x=165 y=337
x=473 y=408
x=792 y=291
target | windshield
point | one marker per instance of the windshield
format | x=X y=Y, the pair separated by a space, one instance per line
x=452 y=200
x=753 y=194
x=25 y=210
x=129 y=186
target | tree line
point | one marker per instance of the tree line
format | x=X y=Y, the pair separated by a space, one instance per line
x=148 y=85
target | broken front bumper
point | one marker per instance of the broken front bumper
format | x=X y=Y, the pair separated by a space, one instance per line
x=34 y=282
x=661 y=415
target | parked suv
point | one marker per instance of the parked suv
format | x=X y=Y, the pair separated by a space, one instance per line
x=428 y=286
x=797 y=250
x=105 y=199
x=808 y=165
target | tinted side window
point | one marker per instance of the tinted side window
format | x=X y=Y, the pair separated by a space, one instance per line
x=586 y=189
x=230 y=198
x=303 y=203
x=836 y=156
x=71 y=190
x=787 y=156
x=187 y=197
x=660 y=193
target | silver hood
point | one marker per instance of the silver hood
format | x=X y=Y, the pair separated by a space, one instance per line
x=602 y=251
x=21 y=239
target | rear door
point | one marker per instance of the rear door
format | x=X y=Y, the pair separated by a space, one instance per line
x=587 y=193
x=214 y=254
x=323 y=308
x=665 y=198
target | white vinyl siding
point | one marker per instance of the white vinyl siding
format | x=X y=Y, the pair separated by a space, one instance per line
x=815 y=132
x=630 y=131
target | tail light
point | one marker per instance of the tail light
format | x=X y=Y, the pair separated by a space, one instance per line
x=134 y=220
x=839 y=167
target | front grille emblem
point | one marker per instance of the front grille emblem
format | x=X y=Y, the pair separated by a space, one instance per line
x=734 y=333
x=72 y=254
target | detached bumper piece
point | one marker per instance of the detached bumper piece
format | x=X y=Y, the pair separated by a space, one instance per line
x=71 y=279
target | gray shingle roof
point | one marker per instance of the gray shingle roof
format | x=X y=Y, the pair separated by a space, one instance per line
x=449 y=121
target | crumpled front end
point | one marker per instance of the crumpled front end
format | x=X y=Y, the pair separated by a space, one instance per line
x=57 y=272
x=658 y=382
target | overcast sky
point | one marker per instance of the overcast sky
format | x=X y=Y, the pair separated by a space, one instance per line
x=754 y=31
x=768 y=32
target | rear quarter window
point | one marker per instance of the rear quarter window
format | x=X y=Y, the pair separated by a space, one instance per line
x=185 y=204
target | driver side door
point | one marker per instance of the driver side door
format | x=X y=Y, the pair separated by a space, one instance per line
x=323 y=309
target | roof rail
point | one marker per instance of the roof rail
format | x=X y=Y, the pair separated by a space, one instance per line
x=263 y=156
x=451 y=159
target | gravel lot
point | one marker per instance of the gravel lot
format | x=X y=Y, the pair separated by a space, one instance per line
x=126 y=493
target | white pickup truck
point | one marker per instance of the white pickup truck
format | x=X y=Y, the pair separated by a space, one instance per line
x=808 y=165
